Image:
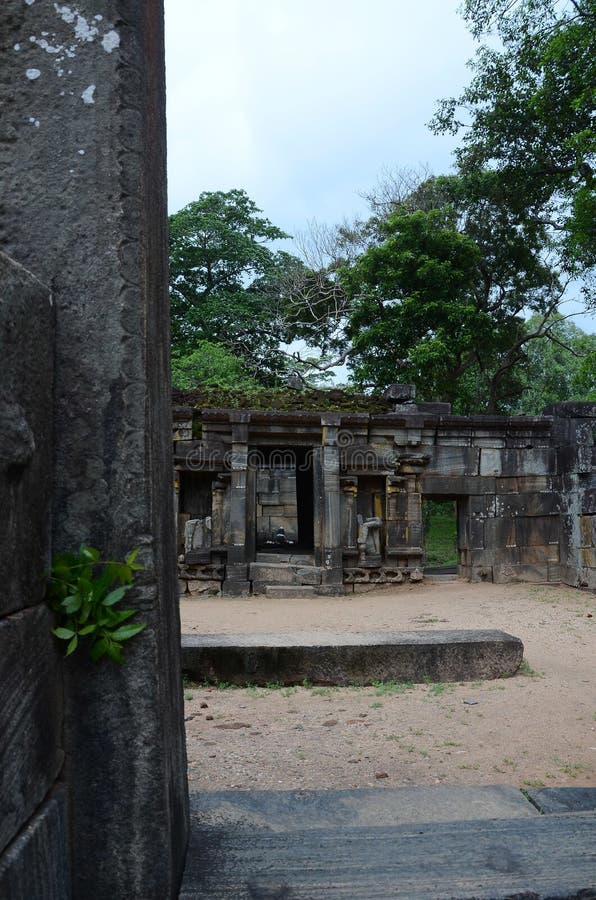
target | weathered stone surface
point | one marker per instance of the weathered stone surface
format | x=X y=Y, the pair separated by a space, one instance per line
x=535 y=858
x=563 y=799
x=96 y=231
x=285 y=811
x=35 y=865
x=25 y=434
x=354 y=658
x=30 y=716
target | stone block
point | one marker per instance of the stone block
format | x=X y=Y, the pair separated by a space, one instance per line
x=507 y=485
x=308 y=575
x=25 y=434
x=271 y=573
x=539 y=554
x=587 y=527
x=588 y=502
x=452 y=461
x=537 y=530
x=491 y=462
x=30 y=716
x=35 y=866
x=348 y=658
x=235 y=588
x=533 y=574
x=531 y=461
x=456 y=485
x=528 y=504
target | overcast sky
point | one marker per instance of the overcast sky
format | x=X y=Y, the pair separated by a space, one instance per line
x=303 y=104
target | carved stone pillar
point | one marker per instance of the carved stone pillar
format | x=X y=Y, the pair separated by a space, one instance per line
x=236 y=582
x=349 y=488
x=332 y=575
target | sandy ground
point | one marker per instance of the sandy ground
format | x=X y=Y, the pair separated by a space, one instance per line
x=538 y=728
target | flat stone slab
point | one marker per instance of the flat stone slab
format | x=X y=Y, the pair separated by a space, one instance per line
x=351 y=658
x=288 y=810
x=539 y=857
x=564 y=800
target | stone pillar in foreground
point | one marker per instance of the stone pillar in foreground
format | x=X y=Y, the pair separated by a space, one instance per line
x=83 y=138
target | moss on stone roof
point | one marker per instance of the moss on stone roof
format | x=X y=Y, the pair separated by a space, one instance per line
x=308 y=400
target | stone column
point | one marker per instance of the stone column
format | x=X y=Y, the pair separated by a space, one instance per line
x=83 y=138
x=349 y=487
x=236 y=582
x=218 y=490
x=332 y=563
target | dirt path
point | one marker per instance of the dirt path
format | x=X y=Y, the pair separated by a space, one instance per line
x=538 y=728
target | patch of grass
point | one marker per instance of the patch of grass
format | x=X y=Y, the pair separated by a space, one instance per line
x=440 y=688
x=470 y=766
x=527 y=670
x=448 y=744
x=533 y=784
x=391 y=687
x=188 y=696
x=393 y=737
x=572 y=769
x=321 y=692
x=376 y=705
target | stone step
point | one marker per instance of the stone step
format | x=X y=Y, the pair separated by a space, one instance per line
x=263 y=574
x=350 y=657
x=439 y=579
x=285 y=591
x=296 y=559
x=361 y=807
x=549 y=856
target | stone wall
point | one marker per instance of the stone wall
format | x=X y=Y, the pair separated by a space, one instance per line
x=524 y=489
x=33 y=836
x=83 y=137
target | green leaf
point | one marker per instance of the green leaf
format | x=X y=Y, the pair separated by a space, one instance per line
x=132 y=556
x=89 y=553
x=114 y=651
x=65 y=634
x=116 y=595
x=98 y=649
x=121 y=615
x=127 y=631
x=72 y=603
x=88 y=629
x=72 y=646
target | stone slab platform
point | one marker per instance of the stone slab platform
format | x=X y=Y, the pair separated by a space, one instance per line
x=250 y=849
x=361 y=807
x=351 y=658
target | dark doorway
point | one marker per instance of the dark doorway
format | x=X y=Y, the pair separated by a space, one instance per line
x=284 y=500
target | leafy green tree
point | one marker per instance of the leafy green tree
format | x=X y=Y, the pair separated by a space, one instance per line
x=222 y=270
x=441 y=299
x=527 y=118
x=211 y=365
x=560 y=365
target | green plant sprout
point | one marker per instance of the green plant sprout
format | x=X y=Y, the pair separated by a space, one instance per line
x=83 y=591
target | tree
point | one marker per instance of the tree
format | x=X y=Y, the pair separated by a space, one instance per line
x=442 y=298
x=560 y=366
x=221 y=270
x=528 y=118
x=211 y=365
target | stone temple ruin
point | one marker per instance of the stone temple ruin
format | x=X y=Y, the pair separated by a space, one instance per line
x=332 y=502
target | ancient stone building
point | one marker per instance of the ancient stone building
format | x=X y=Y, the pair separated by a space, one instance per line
x=332 y=501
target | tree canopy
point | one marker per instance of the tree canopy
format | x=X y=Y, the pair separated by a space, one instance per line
x=221 y=274
x=527 y=117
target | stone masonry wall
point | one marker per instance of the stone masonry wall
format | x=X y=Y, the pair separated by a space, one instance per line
x=33 y=832
x=83 y=138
